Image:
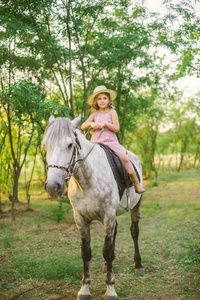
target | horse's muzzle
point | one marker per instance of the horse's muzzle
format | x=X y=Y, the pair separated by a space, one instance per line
x=55 y=189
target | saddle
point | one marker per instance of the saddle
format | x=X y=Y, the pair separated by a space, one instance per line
x=119 y=170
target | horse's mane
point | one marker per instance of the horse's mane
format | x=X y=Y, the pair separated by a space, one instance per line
x=56 y=131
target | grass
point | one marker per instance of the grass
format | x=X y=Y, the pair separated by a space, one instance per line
x=40 y=255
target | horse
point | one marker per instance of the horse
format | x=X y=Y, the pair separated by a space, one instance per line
x=93 y=194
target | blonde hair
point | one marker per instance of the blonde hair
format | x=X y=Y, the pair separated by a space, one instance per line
x=95 y=105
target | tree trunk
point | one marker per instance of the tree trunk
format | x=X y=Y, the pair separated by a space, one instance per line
x=181 y=161
x=0 y=205
x=119 y=88
x=85 y=89
x=12 y=207
x=196 y=155
x=15 y=184
x=70 y=60
x=14 y=196
x=183 y=149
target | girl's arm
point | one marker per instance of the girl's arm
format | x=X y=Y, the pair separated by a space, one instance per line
x=89 y=122
x=115 y=122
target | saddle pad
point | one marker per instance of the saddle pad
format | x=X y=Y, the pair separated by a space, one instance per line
x=119 y=170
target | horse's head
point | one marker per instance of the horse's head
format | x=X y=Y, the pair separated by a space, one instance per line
x=61 y=144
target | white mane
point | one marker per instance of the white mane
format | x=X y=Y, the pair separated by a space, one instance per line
x=55 y=131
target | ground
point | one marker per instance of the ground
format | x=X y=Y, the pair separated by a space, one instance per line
x=40 y=252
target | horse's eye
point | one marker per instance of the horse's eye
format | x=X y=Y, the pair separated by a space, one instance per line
x=70 y=146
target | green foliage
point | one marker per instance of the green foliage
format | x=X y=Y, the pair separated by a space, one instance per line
x=24 y=101
x=58 y=213
x=57 y=52
x=24 y=113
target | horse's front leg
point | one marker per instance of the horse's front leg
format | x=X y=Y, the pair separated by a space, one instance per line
x=110 y=225
x=135 y=217
x=84 y=230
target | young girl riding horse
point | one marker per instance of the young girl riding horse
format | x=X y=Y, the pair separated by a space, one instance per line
x=105 y=116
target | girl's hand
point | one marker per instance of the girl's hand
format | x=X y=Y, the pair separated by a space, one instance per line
x=96 y=127
x=93 y=124
x=102 y=124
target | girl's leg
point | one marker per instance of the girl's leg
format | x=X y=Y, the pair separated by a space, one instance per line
x=127 y=163
x=132 y=174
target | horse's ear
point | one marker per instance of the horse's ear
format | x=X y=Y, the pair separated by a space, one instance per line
x=76 y=121
x=51 y=119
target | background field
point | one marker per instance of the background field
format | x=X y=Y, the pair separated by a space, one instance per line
x=40 y=252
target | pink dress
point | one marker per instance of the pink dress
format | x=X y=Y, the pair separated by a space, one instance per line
x=107 y=137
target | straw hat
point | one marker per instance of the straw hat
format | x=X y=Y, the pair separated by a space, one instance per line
x=100 y=90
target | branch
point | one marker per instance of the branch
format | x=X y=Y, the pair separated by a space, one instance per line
x=60 y=71
x=10 y=133
x=22 y=293
x=89 y=30
x=19 y=144
x=26 y=149
x=109 y=63
x=46 y=56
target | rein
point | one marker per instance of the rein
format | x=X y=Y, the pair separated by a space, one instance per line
x=82 y=160
x=71 y=169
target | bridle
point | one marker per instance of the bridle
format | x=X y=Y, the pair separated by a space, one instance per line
x=71 y=169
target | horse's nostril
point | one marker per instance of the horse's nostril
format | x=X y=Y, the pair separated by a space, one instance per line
x=54 y=189
x=58 y=186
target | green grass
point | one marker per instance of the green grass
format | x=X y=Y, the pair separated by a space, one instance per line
x=40 y=253
x=49 y=266
x=35 y=255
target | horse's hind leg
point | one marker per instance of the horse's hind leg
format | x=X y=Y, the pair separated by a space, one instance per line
x=135 y=217
x=110 y=225
x=84 y=230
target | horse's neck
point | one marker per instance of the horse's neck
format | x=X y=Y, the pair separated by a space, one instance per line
x=88 y=156
x=86 y=145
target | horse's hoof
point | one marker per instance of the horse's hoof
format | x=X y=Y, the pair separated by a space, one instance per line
x=84 y=297
x=110 y=298
x=140 y=271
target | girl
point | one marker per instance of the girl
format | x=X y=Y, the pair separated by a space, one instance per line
x=105 y=116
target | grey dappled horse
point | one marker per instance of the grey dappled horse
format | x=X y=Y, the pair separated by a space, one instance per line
x=93 y=193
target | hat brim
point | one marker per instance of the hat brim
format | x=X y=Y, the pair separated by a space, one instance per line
x=112 y=93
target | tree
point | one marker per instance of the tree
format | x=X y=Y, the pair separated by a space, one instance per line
x=66 y=48
x=23 y=105
x=146 y=134
x=185 y=132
